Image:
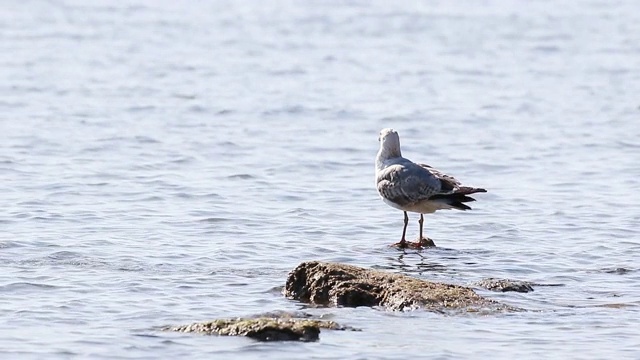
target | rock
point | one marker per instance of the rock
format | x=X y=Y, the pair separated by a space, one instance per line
x=617 y=271
x=263 y=328
x=505 y=285
x=347 y=285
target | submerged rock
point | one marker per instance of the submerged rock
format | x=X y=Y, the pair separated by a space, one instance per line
x=505 y=285
x=347 y=285
x=617 y=271
x=263 y=328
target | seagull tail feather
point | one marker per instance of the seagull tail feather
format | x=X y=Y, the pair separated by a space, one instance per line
x=456 y=199
x=466 y=190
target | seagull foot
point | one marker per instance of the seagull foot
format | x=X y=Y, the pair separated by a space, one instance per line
x=400 y=245
x=415 y=245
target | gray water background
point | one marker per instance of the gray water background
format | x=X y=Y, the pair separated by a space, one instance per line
x=168 y=162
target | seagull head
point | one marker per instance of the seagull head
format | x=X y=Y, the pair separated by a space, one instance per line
x=389 y=143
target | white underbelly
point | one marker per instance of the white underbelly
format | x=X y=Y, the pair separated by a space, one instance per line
x=423 y=207
x=393 y=205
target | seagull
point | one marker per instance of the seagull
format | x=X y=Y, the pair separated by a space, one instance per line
x=413 y=187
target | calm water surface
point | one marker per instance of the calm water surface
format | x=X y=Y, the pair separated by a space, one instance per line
x=163 y=163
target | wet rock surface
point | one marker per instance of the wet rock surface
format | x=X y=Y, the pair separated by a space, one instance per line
x=262 y=328
x=504 y=285
x=346 y=285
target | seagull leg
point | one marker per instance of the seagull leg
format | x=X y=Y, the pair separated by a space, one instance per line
x=403 y=242
x=422 y=241
x=404 y=230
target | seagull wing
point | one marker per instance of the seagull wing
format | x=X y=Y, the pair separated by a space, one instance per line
x=448 y=184
x=406 y=183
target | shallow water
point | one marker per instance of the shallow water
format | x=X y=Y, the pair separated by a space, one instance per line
x=163 y=164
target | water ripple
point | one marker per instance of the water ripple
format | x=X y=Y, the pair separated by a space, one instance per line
x=147 y=181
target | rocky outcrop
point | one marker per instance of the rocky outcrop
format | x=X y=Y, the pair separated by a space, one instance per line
x=263 y=329
x=346 y=285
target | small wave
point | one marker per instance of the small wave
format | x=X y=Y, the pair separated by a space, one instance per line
x=141 y=108
x=8 y=244
x=296 y=109
x=214 y=220
x=625 y=144
x=224 y=112
x=146 y=140
x=241 y=176
x=25 y=285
